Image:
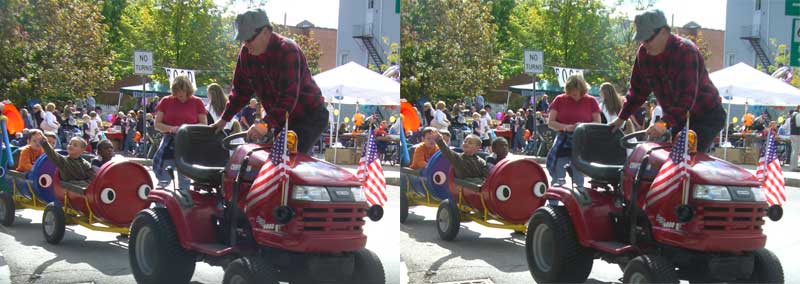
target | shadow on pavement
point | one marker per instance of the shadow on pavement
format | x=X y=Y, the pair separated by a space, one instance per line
x=468 y=244
x=107 y=257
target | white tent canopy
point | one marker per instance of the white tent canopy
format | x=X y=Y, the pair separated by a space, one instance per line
x=357 y=84
x=746 y=84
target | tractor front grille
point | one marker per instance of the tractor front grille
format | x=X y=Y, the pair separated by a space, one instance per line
x=729 y=217
x=329 y=217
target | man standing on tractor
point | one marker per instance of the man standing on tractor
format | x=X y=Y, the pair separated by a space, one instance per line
x=274 y=69
x=673 y=69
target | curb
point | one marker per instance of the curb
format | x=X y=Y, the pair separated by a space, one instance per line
x=5 y=272
x=395 y=181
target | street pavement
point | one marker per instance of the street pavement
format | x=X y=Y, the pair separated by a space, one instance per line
x=484 y=255
x=86 y=256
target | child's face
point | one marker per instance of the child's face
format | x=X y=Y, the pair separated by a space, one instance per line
x=74 y=149
x=35 y=140
x=106 y=152
x=51 y=141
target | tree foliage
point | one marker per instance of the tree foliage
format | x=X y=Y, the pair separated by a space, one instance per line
x=52 y=49
x=448 y=49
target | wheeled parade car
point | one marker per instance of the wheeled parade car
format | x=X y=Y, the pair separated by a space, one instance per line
x=499 y=202
x=712 y=232
x=311 y=231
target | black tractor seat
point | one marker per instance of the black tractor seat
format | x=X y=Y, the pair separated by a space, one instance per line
x=597 y=153
x=199 y=154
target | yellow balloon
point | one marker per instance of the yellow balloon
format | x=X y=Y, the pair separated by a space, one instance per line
x=346 y=120
x=336 y=112
x=392 y=119
x=735 y=120
x=780 y=120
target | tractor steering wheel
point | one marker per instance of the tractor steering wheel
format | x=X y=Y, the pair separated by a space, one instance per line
x=227 y=141
x=639 y=135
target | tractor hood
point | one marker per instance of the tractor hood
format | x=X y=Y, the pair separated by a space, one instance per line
x=303 y=169
x=706 y=169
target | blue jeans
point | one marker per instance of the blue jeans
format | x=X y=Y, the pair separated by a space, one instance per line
x=519 y=141
x=560 y=172
x=164 y=179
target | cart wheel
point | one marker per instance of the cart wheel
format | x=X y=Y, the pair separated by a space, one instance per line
x=53 y=223
x=767 y=267
x=367 y=268
x=154 y=252
x=552 y=249
x=447 y=220
x=6 y=209
x=246 y=270
x=650 y=269
x=403 y=205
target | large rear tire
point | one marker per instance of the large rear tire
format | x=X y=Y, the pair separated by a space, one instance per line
x=552 y=249
x=53 y=223
x=247 y=270
x=154 y=252
x=6 y=209
x=448 y=220
x=403 y=205
x=767 y=267
x=650 y=269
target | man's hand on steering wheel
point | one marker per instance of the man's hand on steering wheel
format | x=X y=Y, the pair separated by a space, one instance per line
x=656 y=131
x=257 y=131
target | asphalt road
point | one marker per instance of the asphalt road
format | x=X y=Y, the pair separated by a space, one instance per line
x=86 y=256
x=481 y=253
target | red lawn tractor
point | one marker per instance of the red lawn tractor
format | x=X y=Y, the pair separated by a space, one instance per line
x=310 y=233
x=712 y=233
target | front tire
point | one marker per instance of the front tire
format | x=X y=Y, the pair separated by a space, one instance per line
x=53 y=223
x=246 y=270
x=6 y=209
x=368 y=268
x=650 y=269
x=767 y=267
x=447 y=220
x=552 y=248
x=154 y=252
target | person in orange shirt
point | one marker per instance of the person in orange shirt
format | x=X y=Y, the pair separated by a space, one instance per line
x=31 y=152
x=425 y=150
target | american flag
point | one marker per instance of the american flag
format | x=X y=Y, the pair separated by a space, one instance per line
x=272 y=174
x=770 y=174
x=370 y=172
x=672 y=173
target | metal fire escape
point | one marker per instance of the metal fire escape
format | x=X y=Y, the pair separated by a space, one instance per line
x=752 y=35
x=364 y=35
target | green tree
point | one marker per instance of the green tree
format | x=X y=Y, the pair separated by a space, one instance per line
x=187 y=34
x=572 y=33
x=448 y=49
x=780 y=55
x=52 y=49
x=308 y=45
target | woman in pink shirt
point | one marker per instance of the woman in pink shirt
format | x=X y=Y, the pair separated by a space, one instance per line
x=173 y=111
x=566 y=112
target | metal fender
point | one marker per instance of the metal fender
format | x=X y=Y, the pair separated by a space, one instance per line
x=576 y=215
x=164 y=199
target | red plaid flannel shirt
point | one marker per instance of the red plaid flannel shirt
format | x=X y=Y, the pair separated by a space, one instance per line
x=272 y=76
x=672 y=77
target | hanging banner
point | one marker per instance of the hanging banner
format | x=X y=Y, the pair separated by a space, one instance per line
x=172 y=73
x=563 y=73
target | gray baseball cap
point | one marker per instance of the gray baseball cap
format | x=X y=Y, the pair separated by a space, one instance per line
x=248 y=22
x=647 y=23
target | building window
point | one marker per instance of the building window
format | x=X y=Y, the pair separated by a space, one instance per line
x=731 y=59
x=371 y=4
x=345 y=59
x=758 y=5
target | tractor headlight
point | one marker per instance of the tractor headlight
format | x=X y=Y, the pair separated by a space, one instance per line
x=358 y=194
x=711 y=192
x=310 y=193
x=758 y=194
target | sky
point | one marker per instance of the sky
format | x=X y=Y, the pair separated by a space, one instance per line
x=708 y=13
x=322 y=13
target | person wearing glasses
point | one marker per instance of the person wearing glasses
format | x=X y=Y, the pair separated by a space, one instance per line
x=274 y=69
x=673 y=69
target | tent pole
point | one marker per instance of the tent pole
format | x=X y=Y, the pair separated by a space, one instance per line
x=338 y=119
x=727 y=126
